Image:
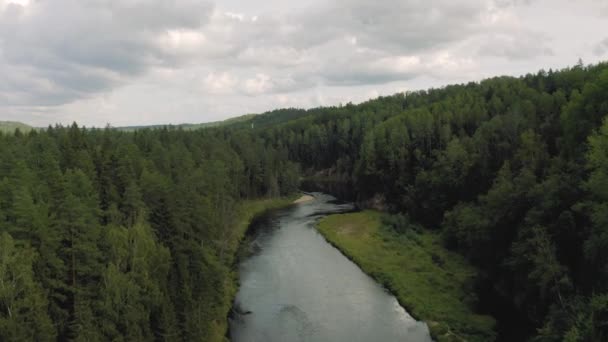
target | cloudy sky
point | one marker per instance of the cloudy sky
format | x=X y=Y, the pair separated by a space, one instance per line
x=128 y=62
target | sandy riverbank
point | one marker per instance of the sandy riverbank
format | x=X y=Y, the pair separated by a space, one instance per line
x=304 y=198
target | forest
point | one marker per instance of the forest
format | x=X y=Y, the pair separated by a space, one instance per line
x=115 y=235
x=108 y=235
x=513 y=172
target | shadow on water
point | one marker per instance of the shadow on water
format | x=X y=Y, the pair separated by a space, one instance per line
x=265 y=223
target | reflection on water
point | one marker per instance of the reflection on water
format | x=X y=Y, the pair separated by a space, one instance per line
x=297 y=287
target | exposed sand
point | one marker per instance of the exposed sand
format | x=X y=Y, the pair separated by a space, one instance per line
x=304 y=198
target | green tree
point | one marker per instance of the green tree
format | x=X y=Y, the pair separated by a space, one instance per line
x=596 y=246
x=23 y=304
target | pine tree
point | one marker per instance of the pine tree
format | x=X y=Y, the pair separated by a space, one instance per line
x=23 y=304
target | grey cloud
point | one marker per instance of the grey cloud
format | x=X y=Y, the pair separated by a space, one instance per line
x=64 y=53
x=512 y=3
x=25 y=85
x=601 y=6
x=524 y=45
x=601 y=48
x=158 y=15
x=361 y=66
x=310 y=44
x=391 y=28
x=397 y=26
x=82 y=47
x=267 y=84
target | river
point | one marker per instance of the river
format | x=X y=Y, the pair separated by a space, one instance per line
x=295 y=286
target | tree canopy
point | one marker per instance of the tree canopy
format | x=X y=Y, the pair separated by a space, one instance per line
x=114 y=235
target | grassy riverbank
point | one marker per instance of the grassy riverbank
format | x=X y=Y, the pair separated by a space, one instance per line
x=246 y=213
x=433 y=284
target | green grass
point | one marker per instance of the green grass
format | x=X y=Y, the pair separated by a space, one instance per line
x=432 y=283
x=246 y=213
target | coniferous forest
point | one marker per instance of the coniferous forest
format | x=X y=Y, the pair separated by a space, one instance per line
x=121 y=236
x=112 y=235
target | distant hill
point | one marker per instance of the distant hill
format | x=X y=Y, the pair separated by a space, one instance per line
x=244 y=121
x=263 y=120
x=191 y=127
x=11 y=126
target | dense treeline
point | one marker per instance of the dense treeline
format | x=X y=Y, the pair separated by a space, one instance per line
x=512 y=171
x=122 y=236
x=107 y=235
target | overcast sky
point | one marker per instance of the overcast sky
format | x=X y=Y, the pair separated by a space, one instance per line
x=131 y=62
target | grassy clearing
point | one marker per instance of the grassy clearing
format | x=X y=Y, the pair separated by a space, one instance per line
x=433 y=284
x=246 y=213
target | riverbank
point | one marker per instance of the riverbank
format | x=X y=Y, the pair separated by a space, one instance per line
x=246 y=214
x=304 y=199
x=432 y=283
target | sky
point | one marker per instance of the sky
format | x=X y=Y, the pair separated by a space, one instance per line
x=137 y=62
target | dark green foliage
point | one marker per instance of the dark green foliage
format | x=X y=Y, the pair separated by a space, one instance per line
x=126 y=236
x=400 y=223
x=23 y=305
x=513 y=171
x=106 y=235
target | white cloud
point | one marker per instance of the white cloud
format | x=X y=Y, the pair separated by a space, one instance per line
x=397 y=64
x=182 y=41
x=237 y=16
x=261 y=83
x=220 y=83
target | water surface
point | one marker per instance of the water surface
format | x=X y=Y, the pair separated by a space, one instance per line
x=297 y=287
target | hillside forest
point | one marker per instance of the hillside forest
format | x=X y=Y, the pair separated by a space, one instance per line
x=108 y=234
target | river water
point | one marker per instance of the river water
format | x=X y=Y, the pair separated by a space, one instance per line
x=295 y=286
